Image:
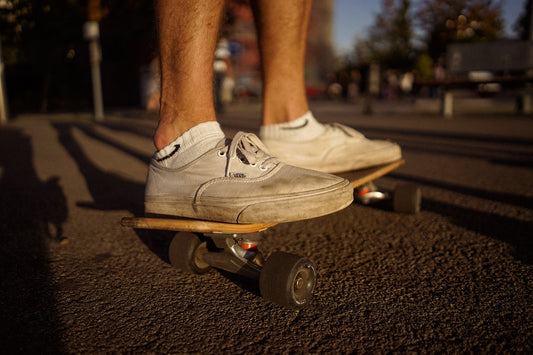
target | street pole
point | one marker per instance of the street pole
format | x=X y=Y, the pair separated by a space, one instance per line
x=91 y=32
x=372 y=87
x=4 y=111
x=527 y=104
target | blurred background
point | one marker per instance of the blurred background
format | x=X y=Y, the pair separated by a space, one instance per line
x=394 y=49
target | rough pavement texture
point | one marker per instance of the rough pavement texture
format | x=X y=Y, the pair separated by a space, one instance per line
x=455 y=278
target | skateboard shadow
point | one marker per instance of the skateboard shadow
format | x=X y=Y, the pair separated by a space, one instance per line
x=249 y=285
x=507 y=198
x=510 y=230
x=505 y=151
x=32 y=213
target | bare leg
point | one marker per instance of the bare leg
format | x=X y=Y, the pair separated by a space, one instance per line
x=188 y=31
x=282 y=31
x=198 y=176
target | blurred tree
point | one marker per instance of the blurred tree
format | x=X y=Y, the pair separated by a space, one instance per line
x=449 y=21
x=523 y=24
x=40 y=41
x=24 y=23
x=390 y=40
x=46 y=55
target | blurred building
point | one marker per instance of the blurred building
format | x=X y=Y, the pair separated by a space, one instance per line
x=245 y=53
x=320 y=54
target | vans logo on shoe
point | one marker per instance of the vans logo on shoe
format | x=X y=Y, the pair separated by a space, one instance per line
x=297 y=127
x=176 y=148
x=239 y=175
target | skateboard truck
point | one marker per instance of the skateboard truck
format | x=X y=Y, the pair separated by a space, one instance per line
x=285 y=279
x=406 y=198
x=368 y=193
x=232 y=257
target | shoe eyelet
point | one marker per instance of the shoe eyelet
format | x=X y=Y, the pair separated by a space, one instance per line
x=253 y=165
x=221 y=153
x=262 y=168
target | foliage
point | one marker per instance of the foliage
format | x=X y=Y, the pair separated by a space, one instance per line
x=523 y=23
x=390 y=40
x=39 y=46
x=28 y=26
x=451 y=21
x=404 y=30
x=47 y=57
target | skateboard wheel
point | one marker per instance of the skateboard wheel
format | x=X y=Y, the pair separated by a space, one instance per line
x=407 y=198
x=185 y=253
x=288 y=280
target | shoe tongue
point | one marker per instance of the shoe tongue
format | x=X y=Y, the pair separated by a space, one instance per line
x=224 y=142
x=249 y=149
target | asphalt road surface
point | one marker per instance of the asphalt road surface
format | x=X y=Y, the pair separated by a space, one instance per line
x=457 y=277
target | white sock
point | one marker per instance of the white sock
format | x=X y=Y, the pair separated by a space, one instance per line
x=190 y=145
x=303 y=128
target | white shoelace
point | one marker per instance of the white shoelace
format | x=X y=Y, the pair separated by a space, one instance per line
x=250 y=150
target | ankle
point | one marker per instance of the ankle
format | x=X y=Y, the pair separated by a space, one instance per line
x=164 y=136
x=190 y=145
x=283 y=105
x=173 y=125
x=304 y=128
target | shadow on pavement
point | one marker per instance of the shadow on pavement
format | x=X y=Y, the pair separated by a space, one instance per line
x=509 y=230
x=506 y=229
x=110 y=191
x=88 y=130
x=31 y=215
x=505 y=151
x=467 y=137
x=508 y=198
x=113 y=192
x=498 y=150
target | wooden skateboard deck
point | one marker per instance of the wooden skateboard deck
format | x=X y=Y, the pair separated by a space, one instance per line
x=357 y=178
x=363 y=176
x=193 y=225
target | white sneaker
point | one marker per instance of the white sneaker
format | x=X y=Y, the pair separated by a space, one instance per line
x=339 y=148
x=240 y=182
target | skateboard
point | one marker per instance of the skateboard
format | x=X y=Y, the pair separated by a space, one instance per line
x=285 y=279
